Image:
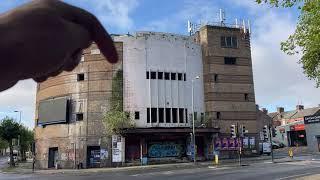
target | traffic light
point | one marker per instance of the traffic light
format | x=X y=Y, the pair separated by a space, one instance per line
x=233 y=131
x=274 y=132
x=243 y=131
x=265 y=132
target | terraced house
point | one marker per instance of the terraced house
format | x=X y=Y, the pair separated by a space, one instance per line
x=167 y=80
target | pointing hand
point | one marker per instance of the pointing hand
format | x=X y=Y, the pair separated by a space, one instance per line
x=45 y=37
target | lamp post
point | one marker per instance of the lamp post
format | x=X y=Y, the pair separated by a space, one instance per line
x=193 y=130
x=20 y=112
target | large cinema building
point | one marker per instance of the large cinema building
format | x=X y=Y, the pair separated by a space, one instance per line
x=160 y=73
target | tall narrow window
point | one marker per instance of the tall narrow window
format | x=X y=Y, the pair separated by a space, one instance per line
x=223 y=41
x=174 y=115
x=184 y=77
x=215 y=77
x=161 y=115
x=168 y=115
x=186 y=115
x=234 y=42
x=202 y=118
x=229 y=42
x=246 y=98
x=160 y=75
x=218 y=115
x=154 y=115
x=148 y=115
x=179 y=76
x=167 y=76
x=137 y=115
x=147 y=75
x=173 y=76
x=181 y=115
x=153 y=75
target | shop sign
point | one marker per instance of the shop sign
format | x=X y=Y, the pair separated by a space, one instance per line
x=311 y=119
x=297 y=127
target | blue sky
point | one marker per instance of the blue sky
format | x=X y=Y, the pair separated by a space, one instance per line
x=279 y=80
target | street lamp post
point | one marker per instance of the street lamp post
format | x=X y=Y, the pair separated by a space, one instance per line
x=193 y=129
x=20 y=112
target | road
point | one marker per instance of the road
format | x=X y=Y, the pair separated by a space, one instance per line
x=261 y=171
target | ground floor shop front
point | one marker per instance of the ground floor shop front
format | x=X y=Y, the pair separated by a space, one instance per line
x=141 y=147
x=312 y=124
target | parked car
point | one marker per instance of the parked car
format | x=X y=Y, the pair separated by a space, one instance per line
x=277 y=145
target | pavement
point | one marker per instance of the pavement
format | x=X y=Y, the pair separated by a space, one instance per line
x=304 y=165
x=294 y=169
x=3 y=162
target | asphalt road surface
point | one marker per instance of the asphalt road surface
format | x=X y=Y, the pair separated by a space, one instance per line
x=265 y=170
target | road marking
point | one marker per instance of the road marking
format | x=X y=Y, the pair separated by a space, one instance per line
x=294 y=176
x=167 y=172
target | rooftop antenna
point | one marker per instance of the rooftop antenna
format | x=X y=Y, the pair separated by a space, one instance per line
x=237 y=23
x=249 y=27
x=222 y=17
x=244 y=26
x=190 y=29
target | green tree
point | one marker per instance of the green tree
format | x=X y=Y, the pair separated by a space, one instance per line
x=26 y=140
x=306 y=38
x=115 y=120
x=3 y=145
x=9 y=130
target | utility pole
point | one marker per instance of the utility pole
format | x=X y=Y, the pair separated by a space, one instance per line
x=239 y=140
x=193 y=128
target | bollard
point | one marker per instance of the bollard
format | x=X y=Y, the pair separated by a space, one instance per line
x=290 y=153
x=216 y=159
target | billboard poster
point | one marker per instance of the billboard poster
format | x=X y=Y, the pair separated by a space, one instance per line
x=225 y=144
x=252 y=142
x=217 y=144
x=245 y=142
x=232 y=144
x=117 y=148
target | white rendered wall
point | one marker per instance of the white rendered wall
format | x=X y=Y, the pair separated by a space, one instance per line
x=163 y=52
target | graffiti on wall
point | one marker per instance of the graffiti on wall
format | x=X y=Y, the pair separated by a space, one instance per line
x=165 y=149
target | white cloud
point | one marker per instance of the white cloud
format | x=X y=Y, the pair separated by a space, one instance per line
x=190 y=10
x=116 y=13
x=279 y=79
x=21 y=97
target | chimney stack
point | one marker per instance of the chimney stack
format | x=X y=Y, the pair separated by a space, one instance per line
x=299 y=107
x=280 y=109
x=264 y=110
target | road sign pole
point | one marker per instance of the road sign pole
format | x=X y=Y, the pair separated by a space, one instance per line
x=270 y=135
x=239 y=139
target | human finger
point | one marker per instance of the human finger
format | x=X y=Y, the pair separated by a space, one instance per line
x=91 y=24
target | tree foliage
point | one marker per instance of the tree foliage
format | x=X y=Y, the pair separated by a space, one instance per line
x=26 y=140
x=306 y=38
x=115 y=120
x=9 y=130
x=3 y=144
x=280 y=3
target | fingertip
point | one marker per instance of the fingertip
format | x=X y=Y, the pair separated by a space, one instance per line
x=110 y=54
